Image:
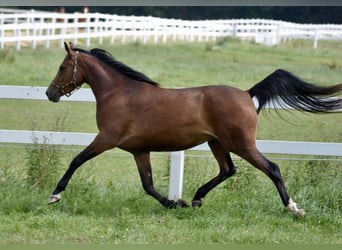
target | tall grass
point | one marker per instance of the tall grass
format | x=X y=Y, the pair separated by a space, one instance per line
x=44 y=159
x=244 y=209
x=7 y=55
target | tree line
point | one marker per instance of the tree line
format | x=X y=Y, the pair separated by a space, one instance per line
x=299 y=14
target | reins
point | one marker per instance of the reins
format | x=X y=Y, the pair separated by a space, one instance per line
x=63 y=86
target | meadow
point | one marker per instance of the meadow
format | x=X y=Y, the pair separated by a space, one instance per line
x=105 y=202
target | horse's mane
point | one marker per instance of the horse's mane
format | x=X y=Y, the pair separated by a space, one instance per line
x=108 y=59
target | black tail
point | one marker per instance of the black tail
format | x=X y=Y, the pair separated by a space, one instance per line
x=282 y=87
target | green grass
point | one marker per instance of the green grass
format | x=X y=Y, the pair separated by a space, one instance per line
x=110 y=206
x=105 y=203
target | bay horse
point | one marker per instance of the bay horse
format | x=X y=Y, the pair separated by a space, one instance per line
x=137 y=115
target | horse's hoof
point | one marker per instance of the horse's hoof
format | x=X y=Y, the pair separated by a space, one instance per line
x=196 y=203
x=301 y=213
x=171 y=204
x=182 y=203
x=292 y=207
x=54 y=198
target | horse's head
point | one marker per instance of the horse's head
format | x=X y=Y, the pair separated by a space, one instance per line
x=67 y=78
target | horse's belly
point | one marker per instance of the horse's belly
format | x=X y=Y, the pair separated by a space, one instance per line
x=168 y=141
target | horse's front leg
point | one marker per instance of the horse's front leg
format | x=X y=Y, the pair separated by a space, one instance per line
x=144 y=166
x=94 y=149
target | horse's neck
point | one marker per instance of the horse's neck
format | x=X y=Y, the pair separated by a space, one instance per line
x=106 y=82
x=101 y=81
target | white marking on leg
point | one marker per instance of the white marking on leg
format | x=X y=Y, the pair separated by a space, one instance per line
x=54 y=198
x=292 y=207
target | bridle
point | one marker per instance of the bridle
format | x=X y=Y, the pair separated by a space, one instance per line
x=62 y=87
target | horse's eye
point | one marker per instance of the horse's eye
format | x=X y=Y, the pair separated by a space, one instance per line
x=61 y=68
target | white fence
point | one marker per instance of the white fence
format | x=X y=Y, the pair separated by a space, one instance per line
x=177 y=158
x=32 y=28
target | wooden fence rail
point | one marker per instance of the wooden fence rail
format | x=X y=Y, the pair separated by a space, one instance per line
x=176 y=158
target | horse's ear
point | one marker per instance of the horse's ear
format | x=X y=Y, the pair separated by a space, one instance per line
x=71 y=45
x=67 y=48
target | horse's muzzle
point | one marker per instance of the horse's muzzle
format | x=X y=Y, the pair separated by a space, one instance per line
x=53 y=94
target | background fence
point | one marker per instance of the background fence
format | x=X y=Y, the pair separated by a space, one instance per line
x=176 y=158
x=32 y=28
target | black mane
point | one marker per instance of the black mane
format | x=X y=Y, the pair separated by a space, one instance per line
x=108 y=59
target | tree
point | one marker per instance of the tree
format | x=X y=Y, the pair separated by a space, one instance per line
x=300 y=14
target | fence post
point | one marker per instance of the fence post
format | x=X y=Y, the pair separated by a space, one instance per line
x=2 y=32
x=315 y=39
x=48 y=36
x=234 y=30
x=76 y=29
x=34 y=33
x=17 y=33
x=112 y=30
x=176 y=175
x=63 y=30
x=88 y=30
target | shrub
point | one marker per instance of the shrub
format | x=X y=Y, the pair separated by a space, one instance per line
x=7 y=55
x=43 y=161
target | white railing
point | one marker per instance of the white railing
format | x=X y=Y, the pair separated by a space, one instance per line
x=34 y=28
x=176 y=158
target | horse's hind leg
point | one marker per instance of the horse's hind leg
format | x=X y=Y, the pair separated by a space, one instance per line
x=145 y=171
x=227 y=169
x=272 y=171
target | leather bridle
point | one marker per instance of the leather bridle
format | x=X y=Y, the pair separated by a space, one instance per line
x=62 y=87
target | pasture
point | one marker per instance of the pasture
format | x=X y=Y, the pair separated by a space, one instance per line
x=105 y=202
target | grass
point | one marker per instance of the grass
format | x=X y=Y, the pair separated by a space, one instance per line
x=110 y=207
x=105 y=203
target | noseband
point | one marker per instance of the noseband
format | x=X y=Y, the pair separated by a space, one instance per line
x=63 y=86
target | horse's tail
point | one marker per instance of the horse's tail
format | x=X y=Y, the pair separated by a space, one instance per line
x=286 y=89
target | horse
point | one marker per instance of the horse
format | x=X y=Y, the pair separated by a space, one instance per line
x=135 y=114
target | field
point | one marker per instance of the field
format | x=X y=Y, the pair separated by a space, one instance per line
x=105 y=202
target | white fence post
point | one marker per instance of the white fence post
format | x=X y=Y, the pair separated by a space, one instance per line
x=2 y=32
x=176 y=175
x=315 y=38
